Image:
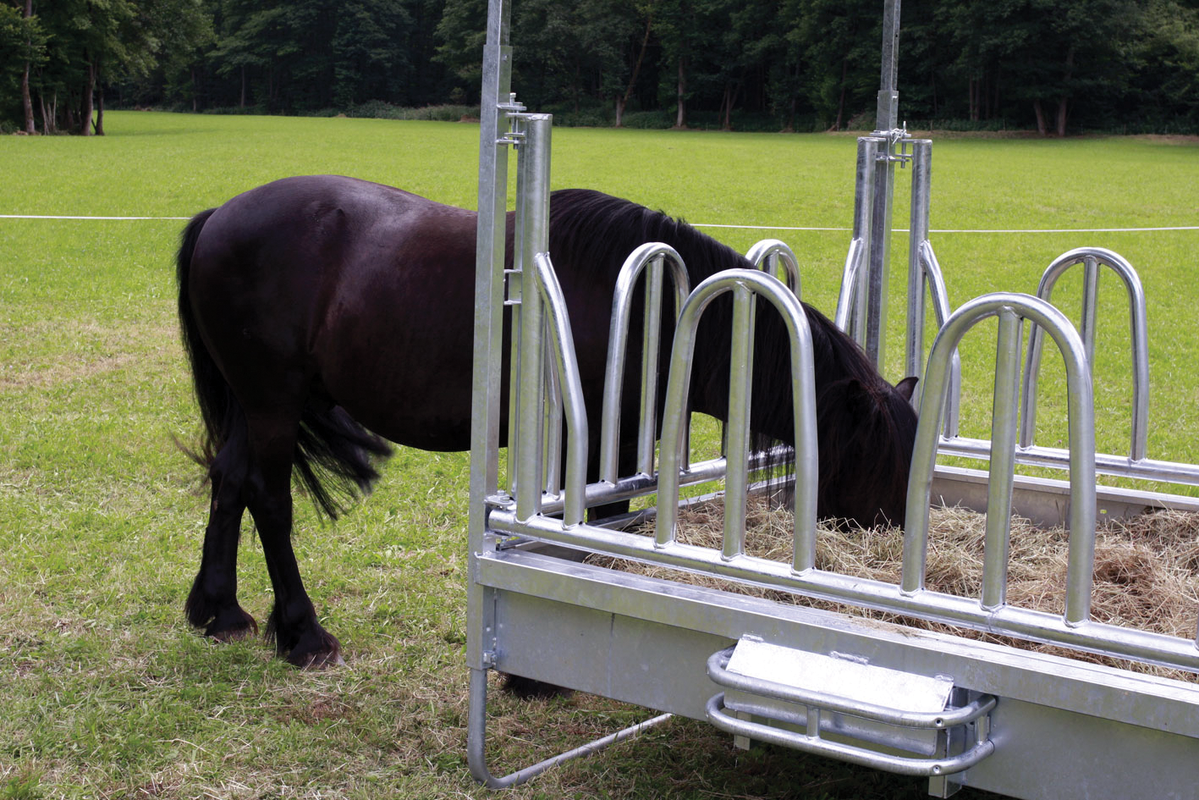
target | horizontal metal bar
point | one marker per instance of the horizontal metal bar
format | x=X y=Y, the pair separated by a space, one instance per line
x=1058 y=458
x=626 y=488
x=476 y=741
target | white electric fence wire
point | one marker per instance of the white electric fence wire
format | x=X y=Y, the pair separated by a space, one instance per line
x=719 y=225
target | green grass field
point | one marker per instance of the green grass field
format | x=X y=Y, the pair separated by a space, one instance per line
x=104 y=692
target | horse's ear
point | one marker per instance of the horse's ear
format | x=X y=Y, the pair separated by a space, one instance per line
x=907 y=387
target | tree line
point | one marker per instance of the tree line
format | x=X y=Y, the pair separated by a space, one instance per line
x=1053 y=65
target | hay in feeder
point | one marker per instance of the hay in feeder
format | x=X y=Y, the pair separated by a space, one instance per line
x=1146 y=569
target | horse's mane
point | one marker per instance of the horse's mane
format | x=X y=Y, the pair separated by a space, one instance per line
x=608 y=228
x=860 y=412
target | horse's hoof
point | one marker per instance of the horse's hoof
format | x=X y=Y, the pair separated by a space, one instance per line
x=233 y=635
x=324 y=652
x=231 y=625
x=324 y=661
x=529 y=689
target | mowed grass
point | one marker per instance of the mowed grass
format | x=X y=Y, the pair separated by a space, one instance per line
x=104 y=692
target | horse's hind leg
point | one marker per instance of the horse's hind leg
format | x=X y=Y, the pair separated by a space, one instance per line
x=293 y=623
x=212 y=603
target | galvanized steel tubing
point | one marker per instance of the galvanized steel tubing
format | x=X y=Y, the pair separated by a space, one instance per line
x=1010 y=308
x=851 y=302
x=476 y=740
x=922 y=150
x=532 y=237
x=744 y=284
x=566 y=366
x=496 y=101
x=816 y=703
x=931 y=268
x=1092 y=258
x=774 y=257
x=878 y=260
x=652 y=259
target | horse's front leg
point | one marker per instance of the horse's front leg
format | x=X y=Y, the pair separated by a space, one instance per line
x=293 y=624
x=212 y=604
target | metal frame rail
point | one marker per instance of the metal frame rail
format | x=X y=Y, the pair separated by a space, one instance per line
x=961 y=712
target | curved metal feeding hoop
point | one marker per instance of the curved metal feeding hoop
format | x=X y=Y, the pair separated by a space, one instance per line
x=1092 y=258
x=940 y=298
x=745 y=285
x=566 y=364
x=652 y=258
x=1011 y=309
x=847 y=299
x=774 y=257
x=851 y=302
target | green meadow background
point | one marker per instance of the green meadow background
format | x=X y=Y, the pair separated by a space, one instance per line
x=105 y=692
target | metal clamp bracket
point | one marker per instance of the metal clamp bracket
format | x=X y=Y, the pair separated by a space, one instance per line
x=897 y=138
x=515 y=112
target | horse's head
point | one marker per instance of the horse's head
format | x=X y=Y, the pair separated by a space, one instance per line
x=867 y=431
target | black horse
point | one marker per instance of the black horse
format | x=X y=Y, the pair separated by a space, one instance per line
x=324 y=315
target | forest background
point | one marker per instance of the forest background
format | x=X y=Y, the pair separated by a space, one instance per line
x=1056 y=66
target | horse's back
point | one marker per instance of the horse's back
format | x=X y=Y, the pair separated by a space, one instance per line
x=349 y=289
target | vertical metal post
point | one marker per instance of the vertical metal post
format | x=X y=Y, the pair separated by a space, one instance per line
x=888 y=97
x=884 y=180
x=535 y=198
x=922 y=151
x=489 y=319
x=851 y=304
x=880 y=246
x=1090 y=304
x=736 y=482
x=1008 y=352
x=650 y=343
x=552 y=470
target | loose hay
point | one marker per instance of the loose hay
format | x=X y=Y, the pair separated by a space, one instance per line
x=1146 y=569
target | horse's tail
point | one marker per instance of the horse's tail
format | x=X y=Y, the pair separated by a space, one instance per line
x=218 y=408
x=335 y=456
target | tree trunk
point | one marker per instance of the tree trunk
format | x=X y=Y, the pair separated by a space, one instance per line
x=574 y=88
x=730 y=97
x=1042 y=128
x=100 y=113
x=242 y=102
x=26 y=100
x=85 y=111
x=680 y=120
x=841 y=96
x=1064 y=101
x=995 y=97
x=49 y=114
x=621 y=102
